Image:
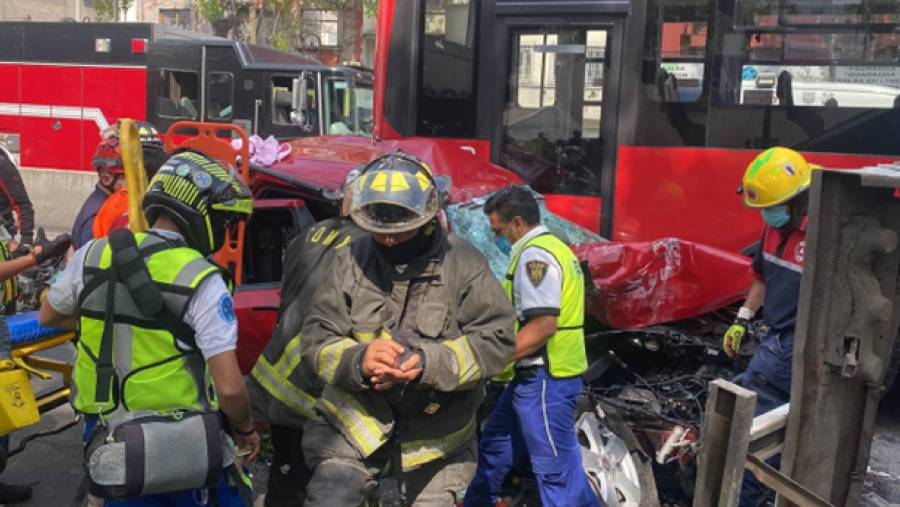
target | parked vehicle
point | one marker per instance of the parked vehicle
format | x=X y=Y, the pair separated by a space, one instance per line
x=62 y=83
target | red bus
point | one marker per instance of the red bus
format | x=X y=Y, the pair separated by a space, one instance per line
x=637 y=118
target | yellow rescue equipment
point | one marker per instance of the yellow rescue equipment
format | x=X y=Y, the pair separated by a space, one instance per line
x=135 y=175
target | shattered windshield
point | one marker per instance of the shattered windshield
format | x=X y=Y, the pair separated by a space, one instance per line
x=348 y=107
x=468 y=220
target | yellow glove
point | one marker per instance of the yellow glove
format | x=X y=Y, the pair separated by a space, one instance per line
x=731 y=342
x=7 y=364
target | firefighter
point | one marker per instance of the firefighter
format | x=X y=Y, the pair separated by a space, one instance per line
x=14 y=201
x=113 y=214
x=189 y=204
x=775 y=183
x=403 y=333
x=534 y=417
x=283 y=395
x=10 y=266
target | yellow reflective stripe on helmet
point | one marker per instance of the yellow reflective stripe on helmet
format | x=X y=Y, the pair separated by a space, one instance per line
x=398 y=182
x=365 y=431
x=243 y=206
x=283 y=389
x=466 y=364
x=424 y=182
x=379 y=182
x=330 y=358
x=419 y=452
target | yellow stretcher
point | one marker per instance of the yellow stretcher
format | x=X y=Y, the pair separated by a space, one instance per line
x=19 y=407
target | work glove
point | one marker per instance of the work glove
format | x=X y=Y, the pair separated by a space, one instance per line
x=51 y=249
x=731 y=342
x=21 y=251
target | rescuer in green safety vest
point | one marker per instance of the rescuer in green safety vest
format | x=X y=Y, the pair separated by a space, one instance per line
x=283 y=395
x=535 y=415
x=180 y=358
x=406 y=328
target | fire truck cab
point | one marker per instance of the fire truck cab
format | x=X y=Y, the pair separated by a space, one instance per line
x=61 y=83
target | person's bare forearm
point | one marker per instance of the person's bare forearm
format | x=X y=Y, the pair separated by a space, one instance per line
x=755 y=296
x=534 y=335
x=13 y=267
x=234 y=400
x=49 y=317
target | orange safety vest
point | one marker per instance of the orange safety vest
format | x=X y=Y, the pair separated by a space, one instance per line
x=112 y=215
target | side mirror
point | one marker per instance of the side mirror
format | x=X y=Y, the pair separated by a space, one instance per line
x=298 y=103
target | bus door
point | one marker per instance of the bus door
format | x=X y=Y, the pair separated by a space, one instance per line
x=557 y=125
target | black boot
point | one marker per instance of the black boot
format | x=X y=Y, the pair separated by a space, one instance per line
x=13 y=493
x=288 y=474
x=284 y=489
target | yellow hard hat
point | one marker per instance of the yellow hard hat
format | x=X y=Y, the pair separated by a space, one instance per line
x=774 y=177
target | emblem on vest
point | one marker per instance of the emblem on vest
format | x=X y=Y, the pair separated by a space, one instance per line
x=800 y=251
x=536 y=271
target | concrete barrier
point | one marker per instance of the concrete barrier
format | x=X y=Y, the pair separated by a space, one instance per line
x=57 y=195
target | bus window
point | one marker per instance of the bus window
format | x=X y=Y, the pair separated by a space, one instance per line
x=447 y=98
x=676 y=41
x=820 y=75
x=220 y=96
x=178 y=94
x=282 y=88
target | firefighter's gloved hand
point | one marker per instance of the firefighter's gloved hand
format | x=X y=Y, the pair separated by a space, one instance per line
x=46 y=250
x=731 y=343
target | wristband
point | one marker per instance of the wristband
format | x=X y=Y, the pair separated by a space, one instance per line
x=745 y=313
x=246 y=433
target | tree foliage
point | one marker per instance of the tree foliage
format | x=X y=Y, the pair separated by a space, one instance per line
x=223 y=15
x=111 y=10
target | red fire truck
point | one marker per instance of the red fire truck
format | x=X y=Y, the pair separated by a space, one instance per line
x=61 y=83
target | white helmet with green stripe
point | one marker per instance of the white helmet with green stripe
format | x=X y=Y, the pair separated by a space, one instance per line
x=203 y=197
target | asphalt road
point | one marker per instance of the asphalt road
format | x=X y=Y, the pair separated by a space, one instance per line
x=52 y=464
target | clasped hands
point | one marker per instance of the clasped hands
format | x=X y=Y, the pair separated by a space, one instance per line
x=386 y=363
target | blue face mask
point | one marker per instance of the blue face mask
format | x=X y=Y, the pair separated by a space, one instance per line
x=776 y=216
x=503 y=244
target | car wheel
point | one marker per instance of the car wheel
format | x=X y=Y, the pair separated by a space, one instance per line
x=620 y=474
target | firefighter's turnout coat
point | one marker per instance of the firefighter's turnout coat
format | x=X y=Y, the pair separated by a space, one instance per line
x=448 y=305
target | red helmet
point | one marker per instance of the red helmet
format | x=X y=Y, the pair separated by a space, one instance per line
x=108 y=157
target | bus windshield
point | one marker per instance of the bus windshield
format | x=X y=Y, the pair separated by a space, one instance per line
x=348 y=107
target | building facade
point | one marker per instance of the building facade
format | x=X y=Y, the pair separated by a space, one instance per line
x=46 y=10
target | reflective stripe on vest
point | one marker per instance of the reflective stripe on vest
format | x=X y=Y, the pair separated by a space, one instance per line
x=155 y=370
x=9 y=287
x=564 y=352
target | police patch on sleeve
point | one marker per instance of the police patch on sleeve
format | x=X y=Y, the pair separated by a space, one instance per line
x=226 y=309
x=536 y=271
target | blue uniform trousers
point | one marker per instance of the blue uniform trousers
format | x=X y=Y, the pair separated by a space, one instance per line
x=769 y=376
x=534 y=418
